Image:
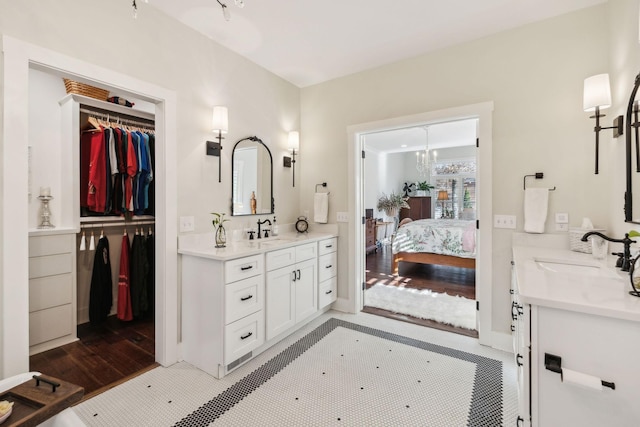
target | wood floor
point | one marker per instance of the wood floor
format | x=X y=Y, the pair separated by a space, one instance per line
x=438 y=278
x=104 y=356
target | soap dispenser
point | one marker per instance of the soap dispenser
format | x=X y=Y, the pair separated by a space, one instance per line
x=274 y=227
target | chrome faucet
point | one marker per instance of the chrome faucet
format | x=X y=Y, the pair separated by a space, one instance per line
x=266 y=232
x=624 y=262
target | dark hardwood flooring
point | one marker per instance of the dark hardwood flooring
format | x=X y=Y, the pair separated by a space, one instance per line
x=105 y=355
x=437 y=278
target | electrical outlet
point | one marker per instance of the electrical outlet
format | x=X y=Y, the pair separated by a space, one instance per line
x=504 y=221
x=562 y=226
x=342 y=216
x=187 y=223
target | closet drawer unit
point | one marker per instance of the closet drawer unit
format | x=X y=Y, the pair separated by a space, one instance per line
x=243 y=298
x=327 y=266
x=50 y=265
x=328 y=292
x=49 y=324
x=280 y=258
x=243 y=336
x=327 y=246
x=51 y=245
x=242 y=268
x=47 y=292
x=307 y=251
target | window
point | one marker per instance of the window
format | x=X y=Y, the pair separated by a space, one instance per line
x=458 y=179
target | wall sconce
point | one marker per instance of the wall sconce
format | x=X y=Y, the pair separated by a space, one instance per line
x=442 y=197
x=220 y=124
x=294 y=144
x=597 y=95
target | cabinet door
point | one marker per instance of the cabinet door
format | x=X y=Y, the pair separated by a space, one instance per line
x=280 y=314
x=306 y=290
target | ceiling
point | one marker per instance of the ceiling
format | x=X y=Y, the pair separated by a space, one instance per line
x=311 y=41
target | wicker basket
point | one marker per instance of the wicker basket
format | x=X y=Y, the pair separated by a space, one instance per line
x=575 y=242
x=85 y=90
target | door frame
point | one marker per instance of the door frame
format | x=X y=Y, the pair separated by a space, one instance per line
x=18 y=57
x=483 y=112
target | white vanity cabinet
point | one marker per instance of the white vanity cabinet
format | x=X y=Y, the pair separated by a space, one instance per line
x=222 y=311
x=291 y=288
x=327 y=271
x=52 y=291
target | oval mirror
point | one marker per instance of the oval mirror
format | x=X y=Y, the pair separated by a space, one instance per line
x=251 y=178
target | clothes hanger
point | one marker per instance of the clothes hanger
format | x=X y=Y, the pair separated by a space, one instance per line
x=83 y=242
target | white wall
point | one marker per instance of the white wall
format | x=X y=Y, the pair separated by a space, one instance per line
x=533 y=75
x=384 y=173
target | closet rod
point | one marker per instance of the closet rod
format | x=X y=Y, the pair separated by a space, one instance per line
x=116 y=224
x=118 y=119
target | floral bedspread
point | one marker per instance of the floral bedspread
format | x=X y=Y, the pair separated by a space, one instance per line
x=440 y=236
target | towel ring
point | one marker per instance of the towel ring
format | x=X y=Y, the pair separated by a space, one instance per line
x=324 y=184
x=538 y=175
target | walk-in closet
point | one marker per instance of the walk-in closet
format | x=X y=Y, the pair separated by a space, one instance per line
x=92 y=245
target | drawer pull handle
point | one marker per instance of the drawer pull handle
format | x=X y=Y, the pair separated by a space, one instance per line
x=328 y=292
x=246 y=298
x=519 y=420
x=329 y=266
x=294 y=275
x=518 y=360
x=329 y=246
x=244 y=337
x=298 y=274
x=248 y=267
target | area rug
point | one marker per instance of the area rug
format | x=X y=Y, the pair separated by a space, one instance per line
x=423 y=304
x=340 y=373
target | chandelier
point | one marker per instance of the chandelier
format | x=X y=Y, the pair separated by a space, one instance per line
x=422 y=157
x=225 y=9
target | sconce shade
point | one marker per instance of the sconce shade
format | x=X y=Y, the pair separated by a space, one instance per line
x=443 y=195
x=220 y=122
x=294 y=140
x=597 y=92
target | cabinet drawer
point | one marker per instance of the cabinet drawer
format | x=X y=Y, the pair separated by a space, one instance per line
x=50 y=265
x=328 y=291
x=49 y=324
x=47 y=292
x=51 y=245
x=242 y=268
x=243 y=336
x=327 y=266
x=327 y=246
x=306 y=251
x=281 y=258
x=243 y=298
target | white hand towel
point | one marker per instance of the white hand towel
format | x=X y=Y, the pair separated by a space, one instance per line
x=536 y=202
x=321 y=207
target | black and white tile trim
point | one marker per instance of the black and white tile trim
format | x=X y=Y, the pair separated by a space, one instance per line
x=486 y=408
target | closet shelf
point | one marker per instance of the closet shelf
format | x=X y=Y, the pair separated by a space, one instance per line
x=109 y=106
x=115 y=219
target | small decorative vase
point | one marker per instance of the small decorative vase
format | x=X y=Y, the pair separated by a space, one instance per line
x=392 y=212
x=221 y=237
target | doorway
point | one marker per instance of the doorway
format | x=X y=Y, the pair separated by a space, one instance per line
x=357 y=135
x=432 y=168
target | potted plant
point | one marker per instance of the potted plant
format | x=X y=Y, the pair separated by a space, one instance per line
x=218 y=225
x=392 y=203
x=422 y=188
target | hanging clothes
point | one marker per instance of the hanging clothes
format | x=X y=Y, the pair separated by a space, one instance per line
x=151 y=279
x=139 y=276
x=100 y=294
x=124 y=291
x=93 y=171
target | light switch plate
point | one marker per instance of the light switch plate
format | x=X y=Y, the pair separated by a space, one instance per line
x=504 y=221
x=342 y=216
x=562 y=218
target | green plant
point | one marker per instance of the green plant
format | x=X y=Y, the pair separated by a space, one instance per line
x=219 y=219
x=425 y=186
x=466 y=199
x=392 y=201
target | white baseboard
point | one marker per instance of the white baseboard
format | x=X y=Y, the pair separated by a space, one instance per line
x=502 y=341
x=343 y=304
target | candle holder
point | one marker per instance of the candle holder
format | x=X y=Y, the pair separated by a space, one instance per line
x=46 y=213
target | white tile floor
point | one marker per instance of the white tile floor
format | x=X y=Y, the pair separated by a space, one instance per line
x=354 y=375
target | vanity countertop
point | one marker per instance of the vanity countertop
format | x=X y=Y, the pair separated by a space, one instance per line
x=202 y=245
x=579 y=283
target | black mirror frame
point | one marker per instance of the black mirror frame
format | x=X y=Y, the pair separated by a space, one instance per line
x=233 y=153
x=628 y=203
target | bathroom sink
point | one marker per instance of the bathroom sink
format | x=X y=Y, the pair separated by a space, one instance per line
x=581 y=267
x=273 y=241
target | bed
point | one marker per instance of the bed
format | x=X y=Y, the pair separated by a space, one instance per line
x=435 y=241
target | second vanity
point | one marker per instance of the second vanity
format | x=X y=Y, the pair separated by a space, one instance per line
x=239 y=300
x=576 y=339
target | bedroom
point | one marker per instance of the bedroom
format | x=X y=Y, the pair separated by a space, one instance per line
x=433 y=168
